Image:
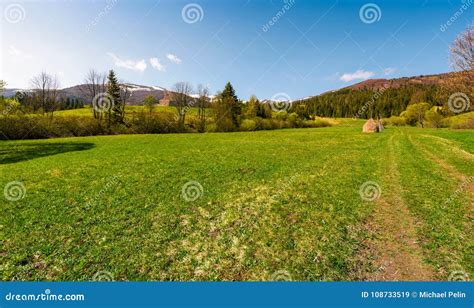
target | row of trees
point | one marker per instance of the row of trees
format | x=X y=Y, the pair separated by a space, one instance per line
x=106 y=97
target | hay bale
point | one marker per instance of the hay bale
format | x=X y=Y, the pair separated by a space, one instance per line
x=370 y=127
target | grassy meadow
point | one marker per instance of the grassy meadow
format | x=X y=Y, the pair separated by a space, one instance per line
x=241 y=206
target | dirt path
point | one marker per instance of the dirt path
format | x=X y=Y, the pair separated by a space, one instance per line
x=393 y=245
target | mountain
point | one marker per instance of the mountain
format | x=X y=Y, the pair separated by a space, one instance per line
x=137 y=92
x=376 y=84
x=382 y=97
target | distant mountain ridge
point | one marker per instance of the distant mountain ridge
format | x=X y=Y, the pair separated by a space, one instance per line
x=393 y=83
x=399 y=82
x=137 y=92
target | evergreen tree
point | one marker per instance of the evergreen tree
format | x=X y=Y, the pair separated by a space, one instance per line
x=229 y=97
x=114 y=107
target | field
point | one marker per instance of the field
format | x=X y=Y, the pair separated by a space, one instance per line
x=130 y=110
x=301 y=204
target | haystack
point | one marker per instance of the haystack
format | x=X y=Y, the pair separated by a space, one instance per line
x=372 y=126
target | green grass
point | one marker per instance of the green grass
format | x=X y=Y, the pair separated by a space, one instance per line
x=285 y=200
x=130 y=110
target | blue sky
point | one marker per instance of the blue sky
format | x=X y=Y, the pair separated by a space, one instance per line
x=309 y=47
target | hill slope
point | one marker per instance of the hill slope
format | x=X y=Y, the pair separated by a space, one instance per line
x=378 y=97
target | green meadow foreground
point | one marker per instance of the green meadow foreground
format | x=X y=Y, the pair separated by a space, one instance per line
x=300 y=204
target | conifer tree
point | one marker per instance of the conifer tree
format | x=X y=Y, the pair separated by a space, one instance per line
x=229 y=97
x=115 y=106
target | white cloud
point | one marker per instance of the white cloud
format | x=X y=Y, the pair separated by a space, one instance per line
x=136 y=65
x=389 y=71
x=155 y=63
x=173 y=58
x=359 y=74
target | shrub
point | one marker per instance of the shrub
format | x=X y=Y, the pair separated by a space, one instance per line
x=282 y=115
x=160 y=123
x=462 y=121
x=248 y=125
x=319 y=122
x=397 y=121
x=434 y=119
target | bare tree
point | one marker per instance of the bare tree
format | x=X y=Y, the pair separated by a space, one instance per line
x=202 y=103
x=462 y=61
x=180 y=96
x=125 y=95
x=94 y=84
x=462 y=50
x=46 y=88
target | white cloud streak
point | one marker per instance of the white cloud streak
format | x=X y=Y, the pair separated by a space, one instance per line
x=173 y=58
x=359 y=74
x=156 y=64
x=136 y=65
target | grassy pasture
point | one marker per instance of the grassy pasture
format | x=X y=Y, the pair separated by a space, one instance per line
x=272 y=202
x=129 y=110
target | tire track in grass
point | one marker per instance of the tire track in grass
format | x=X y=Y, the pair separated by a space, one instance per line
x=393 y=245
x=465 y=180
x=446 y=215
x=451 y=145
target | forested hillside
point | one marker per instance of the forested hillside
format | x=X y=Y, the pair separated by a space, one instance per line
x=380 y=97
